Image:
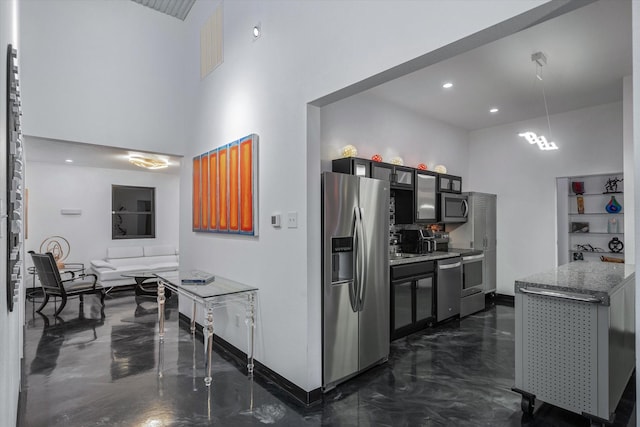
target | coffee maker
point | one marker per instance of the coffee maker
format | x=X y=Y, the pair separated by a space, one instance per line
x=418 y=241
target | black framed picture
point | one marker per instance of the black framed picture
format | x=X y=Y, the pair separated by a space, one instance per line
x=579 y=227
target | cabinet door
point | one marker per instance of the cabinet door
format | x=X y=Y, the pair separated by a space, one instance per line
x=425 y=197
x=489 y=279
x=403 y=177
x=444 y=183
x=456 y=184
x=352 y=166
x=381 y=171
x=361 y=167
x=402 y=304
x=491 y=227
x=479 y=221
x=424 y=298
x=449 y=184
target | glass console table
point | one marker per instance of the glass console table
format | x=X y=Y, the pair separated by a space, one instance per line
x=210 y=292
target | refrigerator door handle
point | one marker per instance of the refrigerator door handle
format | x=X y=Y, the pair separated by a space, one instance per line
x=362 y=279
x=353 y=286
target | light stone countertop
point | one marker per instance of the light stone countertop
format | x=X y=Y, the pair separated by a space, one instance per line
x=598 y=279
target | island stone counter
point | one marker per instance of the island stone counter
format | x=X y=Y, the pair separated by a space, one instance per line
x=575 y=337
x=596 y=279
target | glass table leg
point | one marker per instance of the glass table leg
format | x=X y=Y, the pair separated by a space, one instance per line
x=160 y=368
x=193 y=319
x=207 y=379
x=251 y=325
x=161 y=300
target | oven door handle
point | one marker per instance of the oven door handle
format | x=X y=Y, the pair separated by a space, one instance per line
x=472 y=258
x=449 y=266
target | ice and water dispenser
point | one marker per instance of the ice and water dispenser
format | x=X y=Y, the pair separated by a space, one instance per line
x=342 y=259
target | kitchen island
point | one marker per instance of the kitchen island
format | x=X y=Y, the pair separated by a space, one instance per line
x=575 y=337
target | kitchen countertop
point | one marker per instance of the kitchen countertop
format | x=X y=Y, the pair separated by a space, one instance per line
x=466 y=252
x=409 y=258
x=598 y=279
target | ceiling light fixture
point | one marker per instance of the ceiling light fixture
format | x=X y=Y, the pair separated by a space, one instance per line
x=541 y=60
x=257 y=31
x=493 y=110
x=447 y=85
x=148 y=162
x=542 y=142
x=69 y=161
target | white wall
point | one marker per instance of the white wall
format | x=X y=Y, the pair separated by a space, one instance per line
x=635 y=87
x=308 y=49
x=10 y=322
x=629 y=170
x=524 y=178
x=103 y=72
x=375 y=126
x=53 y=187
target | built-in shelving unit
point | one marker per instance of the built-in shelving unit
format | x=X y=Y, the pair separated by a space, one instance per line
x=585 y=234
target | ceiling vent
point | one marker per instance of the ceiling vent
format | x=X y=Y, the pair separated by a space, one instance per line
x=176 y=8
x=211 y=43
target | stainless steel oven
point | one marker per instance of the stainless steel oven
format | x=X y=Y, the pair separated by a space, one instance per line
x=472 y=273
x=472 y=295
x=453 y=207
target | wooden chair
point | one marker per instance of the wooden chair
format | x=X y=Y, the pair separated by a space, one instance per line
x=53 y=285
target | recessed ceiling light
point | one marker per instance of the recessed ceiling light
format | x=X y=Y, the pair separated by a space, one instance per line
x=69 y=161
x=256 y=31
x=447 y=85
x=494 y=110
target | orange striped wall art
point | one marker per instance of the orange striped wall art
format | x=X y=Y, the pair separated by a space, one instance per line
x=225 y=188
x=197 y=194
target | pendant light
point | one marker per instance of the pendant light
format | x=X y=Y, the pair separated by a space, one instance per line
x=543 y=143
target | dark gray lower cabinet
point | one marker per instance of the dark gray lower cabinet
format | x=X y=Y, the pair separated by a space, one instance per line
x=412 y=302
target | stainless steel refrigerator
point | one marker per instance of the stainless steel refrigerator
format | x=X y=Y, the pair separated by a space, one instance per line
x=355 y=275
x=479 y=232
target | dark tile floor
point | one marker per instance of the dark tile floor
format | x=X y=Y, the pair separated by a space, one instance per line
x=87 y=370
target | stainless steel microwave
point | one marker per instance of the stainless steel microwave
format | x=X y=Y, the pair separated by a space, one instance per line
x=453 y=207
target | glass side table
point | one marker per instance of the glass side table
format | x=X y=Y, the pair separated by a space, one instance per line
x=142 y=277
x=211 y=293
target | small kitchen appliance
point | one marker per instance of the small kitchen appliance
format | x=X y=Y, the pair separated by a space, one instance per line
x=441 y=240
x=453 y=208
x=417 y=241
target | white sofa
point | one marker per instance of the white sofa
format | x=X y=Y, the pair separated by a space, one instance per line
x=133 y=259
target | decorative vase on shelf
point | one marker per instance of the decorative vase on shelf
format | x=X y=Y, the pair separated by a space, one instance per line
x=616 y=245
x=577 y=187
x=613 y=206
x=580 y=202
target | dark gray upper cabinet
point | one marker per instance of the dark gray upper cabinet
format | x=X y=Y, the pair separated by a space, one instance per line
x=352 y=166
x=399 y=176
x=425 y=196
x=449 y=184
